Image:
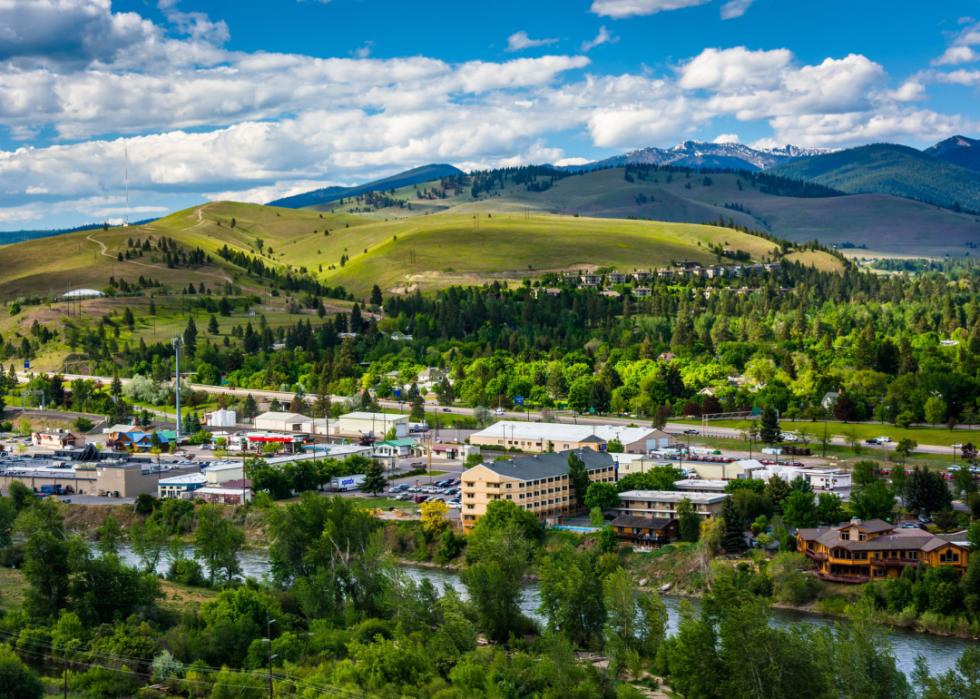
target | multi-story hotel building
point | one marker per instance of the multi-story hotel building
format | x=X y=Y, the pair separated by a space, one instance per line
x=537 y=483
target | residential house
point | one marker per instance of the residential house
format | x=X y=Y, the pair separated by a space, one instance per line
x=859 y=551
x=641 y=292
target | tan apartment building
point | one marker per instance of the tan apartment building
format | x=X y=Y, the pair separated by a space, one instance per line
x=537 y=483
x=662 y=504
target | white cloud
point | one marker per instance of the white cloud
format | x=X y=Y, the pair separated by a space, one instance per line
x=955 y=55
x=733 y=69
x=726 y=138
x=959 y=50
x=198 y=117
x=567 y=162
x=857 y=128
x=910 y=91
x=735 y=8
x=964 y=77
x=619 y=9
x=603 y=37
x=518 y=41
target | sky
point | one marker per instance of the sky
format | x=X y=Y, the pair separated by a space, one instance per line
x=191 y=101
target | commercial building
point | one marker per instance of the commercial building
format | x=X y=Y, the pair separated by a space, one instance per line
x=857 y=551
x=552 y=436
x=644 y=530
x=820 y=479
x=395 y=448
x=105 y=477
x=178 y=486
x=57 y=439
x=700 y=485
x=364 y=424
x=283 y=422
x=230 y=493
x=662 y=504
x=257 y=441
x=536 y=483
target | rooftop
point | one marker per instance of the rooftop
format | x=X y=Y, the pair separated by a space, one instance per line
x=554 y=431
x=285 y=417
x=701 y=484
x=364 y=415
x=672 y=496
x=642 y=522
x=549 y=465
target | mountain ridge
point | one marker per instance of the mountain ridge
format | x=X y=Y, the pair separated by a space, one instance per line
x=320 y=197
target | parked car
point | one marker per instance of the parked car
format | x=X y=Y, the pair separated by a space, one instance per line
x=498 y=411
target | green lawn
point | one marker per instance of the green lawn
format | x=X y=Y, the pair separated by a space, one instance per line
x=923 y=435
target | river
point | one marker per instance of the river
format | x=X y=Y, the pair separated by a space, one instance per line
x=940 y=652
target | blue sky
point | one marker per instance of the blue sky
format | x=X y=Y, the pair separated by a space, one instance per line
x=212 y=99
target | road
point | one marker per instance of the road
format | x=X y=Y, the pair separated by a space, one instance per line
x=676 y=428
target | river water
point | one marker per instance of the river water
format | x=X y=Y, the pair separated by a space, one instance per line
x=940 y=652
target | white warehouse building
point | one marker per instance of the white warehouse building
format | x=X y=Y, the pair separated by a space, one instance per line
x=553 y=436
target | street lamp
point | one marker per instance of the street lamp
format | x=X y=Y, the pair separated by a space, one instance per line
x=177 y=343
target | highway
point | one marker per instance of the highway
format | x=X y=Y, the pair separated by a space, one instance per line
x=676 y=428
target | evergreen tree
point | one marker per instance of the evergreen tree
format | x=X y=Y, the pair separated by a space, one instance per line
x=376 y=299
x=578 y=477
x=769 y=430
x=418 y=409
x=732 y=537
x=249 y=408
x=213 y=328
x=190 y=336
x=688 y=522
x=374 y=479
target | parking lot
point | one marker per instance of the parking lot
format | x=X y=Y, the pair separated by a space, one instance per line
x=446 y=488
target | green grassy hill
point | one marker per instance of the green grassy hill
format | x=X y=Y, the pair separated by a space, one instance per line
x=341 y=248
x=883 y=223
x=891 y=169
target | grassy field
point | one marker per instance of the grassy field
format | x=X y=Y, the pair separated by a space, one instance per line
x=923 y=435
x=428 y=251
x=444 y=249
x=823 y=261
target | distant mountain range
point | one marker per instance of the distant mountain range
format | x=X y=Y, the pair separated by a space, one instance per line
x=885 y=168
x=319 y=197
x=699 y=154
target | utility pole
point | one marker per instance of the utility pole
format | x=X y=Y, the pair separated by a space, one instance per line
x=268 y=630
x=176 y=343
